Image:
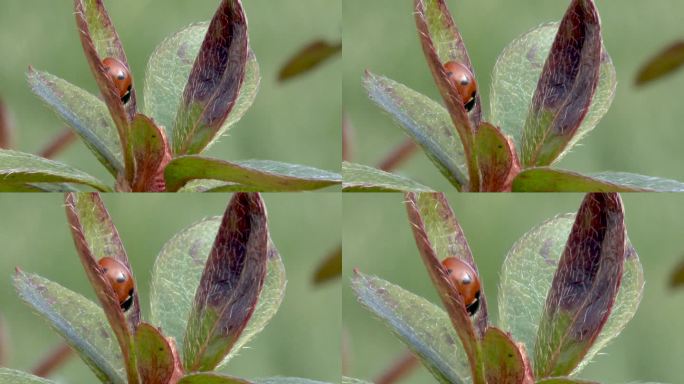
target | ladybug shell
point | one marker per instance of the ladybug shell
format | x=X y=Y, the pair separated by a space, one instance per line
x=466 y=281
x=463 y=80
x=120 y=279
x=121 y=77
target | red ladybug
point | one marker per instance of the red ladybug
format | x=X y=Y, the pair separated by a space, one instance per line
x=463 y=80
x=120 y=76
x=120 y=279
x=465 y=280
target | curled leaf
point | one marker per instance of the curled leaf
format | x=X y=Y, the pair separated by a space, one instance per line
x=566 y=86
x=584 y=286
x=308 y=58
x=230 y=285
x=504 y=361
x=211 y=378
x=451 y=299
x=496 y=159
x=215 y=80
x=155 y=355
x=151 y=152
x=100 y=41
x=441 y=41
x=94 y=237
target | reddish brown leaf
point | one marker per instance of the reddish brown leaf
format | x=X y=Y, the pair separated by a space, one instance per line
x=504 y=361
x=308 y=58
x=155 y=355
x=436 y=29
x=215 y=80
x=662 y=64
x=566 y=86
x=94 y=237
x=151 y=152
x=230 y=284
x=496 y=158
x=451 y=299
x=100 y=40
x=584 y=287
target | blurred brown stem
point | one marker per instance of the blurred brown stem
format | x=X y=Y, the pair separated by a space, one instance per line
x=58 y=143
x=347 y=138
x=398 y=155
x=53 y=360
x=4 y=342
x=400 y=368
x=6 y=128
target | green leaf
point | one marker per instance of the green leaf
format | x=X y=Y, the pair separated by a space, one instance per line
x=287 y=380
x=362 y=178
x=78 y=320
x=211 y=378
x=215 y=80
x=564 y=380
x=176 y=275
x=514 y=80
x=351 y=380
x=200 y=186
x=22 y=168
x=422 y=326
x=309 y=58
x=662 y=64
x=11 y=376
x=427 y=122
x=556 y=180
x=566 y=86
x=37 y=187
x=168 y=70
x=264 y=175
x=526 y=279
x=154 y=354
x=503 y=360
x=85 y=113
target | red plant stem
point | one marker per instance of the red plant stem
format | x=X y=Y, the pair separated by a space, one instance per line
x=58 y=143
x=347 y=138
x=6 y=128
x=399 y=369
x=53 y=360
x=398 y=155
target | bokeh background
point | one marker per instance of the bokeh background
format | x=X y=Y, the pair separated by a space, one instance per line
x=301 y=340
x=378 y=240
x=641 y=133
x=296 y=122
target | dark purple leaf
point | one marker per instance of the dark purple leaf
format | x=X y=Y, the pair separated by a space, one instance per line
x=230 y=284
x=442 y=42
x=100 y=41
x=584 y=286
x=504 y=361
x=662 y=64
x=215 y=80
x=566 y=86
x=151 y=152
x=496 y=159
x=95 y=237
x=451 y=299
x=157 y=360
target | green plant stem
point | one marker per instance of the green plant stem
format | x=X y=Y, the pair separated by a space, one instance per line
x=53 y=360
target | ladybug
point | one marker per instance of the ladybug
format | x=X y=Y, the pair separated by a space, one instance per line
x=120 y=279
x=463 y=80
x=121 y=77
x=464 y=278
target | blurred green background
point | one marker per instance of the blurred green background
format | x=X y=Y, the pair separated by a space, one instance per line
x=641 y=133
x=378 y=240
x=301 y=340
x=297 y=122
